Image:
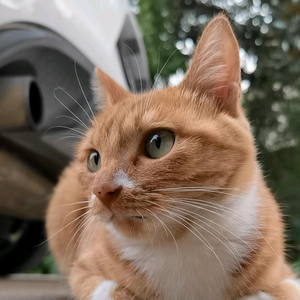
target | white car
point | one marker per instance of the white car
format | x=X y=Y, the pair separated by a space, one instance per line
x=48 y=51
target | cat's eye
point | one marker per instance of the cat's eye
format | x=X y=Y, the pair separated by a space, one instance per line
x=159 y=143
x=93 y=161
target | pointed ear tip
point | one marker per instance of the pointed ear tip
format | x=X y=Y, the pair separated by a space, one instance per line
x=221 y=19
x=98 y=71
x=222 y=16
x=101 y=75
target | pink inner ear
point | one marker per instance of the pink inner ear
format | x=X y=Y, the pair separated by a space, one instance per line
x=215 y=67
x=229 y=89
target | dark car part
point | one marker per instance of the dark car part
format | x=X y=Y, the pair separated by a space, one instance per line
x=22 y=244
x=34 y=62
x=45 y=106
x=132 y=52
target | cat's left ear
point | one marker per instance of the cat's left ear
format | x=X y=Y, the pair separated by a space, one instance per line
x=215 y=67
x=108 y=91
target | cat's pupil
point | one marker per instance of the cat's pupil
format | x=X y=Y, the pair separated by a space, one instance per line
x=96 y=159
x=157 y=141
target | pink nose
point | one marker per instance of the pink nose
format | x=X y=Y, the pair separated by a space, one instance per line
x=106 y=193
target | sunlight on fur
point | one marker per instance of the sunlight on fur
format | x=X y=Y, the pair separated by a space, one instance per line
x=165 y=199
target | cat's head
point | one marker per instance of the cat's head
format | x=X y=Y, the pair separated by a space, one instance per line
x=149 y=160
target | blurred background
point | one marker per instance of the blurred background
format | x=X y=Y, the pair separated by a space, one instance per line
x=269 y=38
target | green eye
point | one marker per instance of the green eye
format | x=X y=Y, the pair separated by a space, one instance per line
x=159 y=143
x=93 y=161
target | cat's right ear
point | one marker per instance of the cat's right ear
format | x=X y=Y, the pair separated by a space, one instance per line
x=215 y=67
x=108 y=91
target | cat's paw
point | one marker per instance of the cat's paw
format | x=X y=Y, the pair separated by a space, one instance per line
x=103 y=290
x=259 y=296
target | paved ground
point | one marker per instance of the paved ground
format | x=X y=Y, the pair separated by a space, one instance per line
x=33 y=287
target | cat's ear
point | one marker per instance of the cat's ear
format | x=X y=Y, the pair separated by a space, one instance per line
x=215 y=66
x=107 y=90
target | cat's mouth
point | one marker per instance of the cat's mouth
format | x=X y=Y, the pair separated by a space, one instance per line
x=137 y=217
x=128 y=217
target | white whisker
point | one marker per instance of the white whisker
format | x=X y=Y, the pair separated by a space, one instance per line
x=63 y=228
x=60 y=88
x=166 y=228
x=67 y=137
x=217 y=238
x=92 y=233
x=68 y=117
x=137 y=64
x=196 y=203
x=80 y=131
x=212 y=188
x=79 y=120
x=78 y=209
x=158 y=75
x=144 y=220
x=81 y=224
x=81 y=236
x=147 y=101
x=86 y=100
x=74 y=203
x=208 y=246
x=198 y=216
x=188 y=189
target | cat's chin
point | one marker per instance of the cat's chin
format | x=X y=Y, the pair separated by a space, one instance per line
x=112 y=218
x=127 y=222
x=120 y=222
x=129 y=225
x=125 y=226
x=107 y=216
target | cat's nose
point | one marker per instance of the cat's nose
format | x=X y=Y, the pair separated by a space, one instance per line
x=106 y=193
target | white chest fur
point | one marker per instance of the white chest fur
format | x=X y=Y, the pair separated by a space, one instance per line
x=195 y=272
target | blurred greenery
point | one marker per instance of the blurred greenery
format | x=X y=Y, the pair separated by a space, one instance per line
x=269 y=37
x=47 y=266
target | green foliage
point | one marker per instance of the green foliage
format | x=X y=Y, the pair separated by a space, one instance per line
x=47 y=266
x=159 y=29
x=296 y=267
x=269 y=37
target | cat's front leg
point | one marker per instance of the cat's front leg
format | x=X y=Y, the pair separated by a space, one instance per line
x=104 y=290
x=88 y=283
x=259 y=296
x=110 y=290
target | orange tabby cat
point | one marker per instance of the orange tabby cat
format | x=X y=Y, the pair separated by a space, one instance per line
x=165 y=199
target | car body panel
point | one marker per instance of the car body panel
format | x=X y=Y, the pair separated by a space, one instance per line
x=92 y=26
